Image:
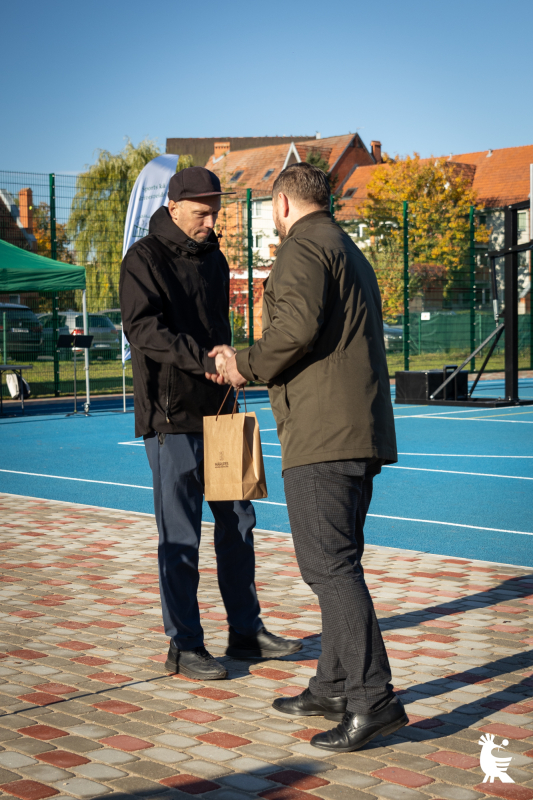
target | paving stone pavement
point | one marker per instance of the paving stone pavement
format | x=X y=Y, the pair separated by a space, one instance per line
x=87 y=710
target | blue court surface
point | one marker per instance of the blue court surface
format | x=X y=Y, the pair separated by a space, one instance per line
x=463 y=485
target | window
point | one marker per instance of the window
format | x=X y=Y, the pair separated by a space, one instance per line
x=95 y=321
x=522 y=224
x=236 y=176
x=257 y=208
x=258 y=240
x=349 y=193
x=267 y=174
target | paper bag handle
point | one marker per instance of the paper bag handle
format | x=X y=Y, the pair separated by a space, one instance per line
x=235 y=403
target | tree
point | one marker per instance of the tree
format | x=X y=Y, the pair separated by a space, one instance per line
x=98 y=214
x=316 y=158
x=440 y=195
x=41 y=231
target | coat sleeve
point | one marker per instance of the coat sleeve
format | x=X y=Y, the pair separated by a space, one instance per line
x=302 y=278
x=144 y=324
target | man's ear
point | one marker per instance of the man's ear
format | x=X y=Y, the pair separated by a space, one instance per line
x=283 y=204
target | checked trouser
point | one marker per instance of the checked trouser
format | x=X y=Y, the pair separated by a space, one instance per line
x=327 y=505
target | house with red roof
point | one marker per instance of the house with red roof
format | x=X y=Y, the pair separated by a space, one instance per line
x=257 y=168
x=498 y=177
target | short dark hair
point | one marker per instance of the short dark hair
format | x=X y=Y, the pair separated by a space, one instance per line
x=305 y=183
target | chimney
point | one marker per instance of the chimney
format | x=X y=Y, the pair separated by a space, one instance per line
x=26 y=209
x=376 y=151
x=221 y=148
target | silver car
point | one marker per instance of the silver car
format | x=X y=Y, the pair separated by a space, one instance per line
x=106 y=337
x=393 y=335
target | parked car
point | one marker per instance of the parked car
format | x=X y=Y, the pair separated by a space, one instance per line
x=106 y=339
x=23 y=332
x=393 y=336
x=115 y=315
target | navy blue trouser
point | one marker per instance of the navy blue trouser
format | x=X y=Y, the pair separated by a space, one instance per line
x=176 y=460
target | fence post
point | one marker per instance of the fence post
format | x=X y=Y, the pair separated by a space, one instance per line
x=332 y=206
x=53 y=239
x=55 y=299
x=250 y=254
x=55 y=334
x=531 y=285
x=4 y=338
x=472 y=293
x=406 y=285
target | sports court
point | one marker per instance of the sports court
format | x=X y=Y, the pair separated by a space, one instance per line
x=463 y=485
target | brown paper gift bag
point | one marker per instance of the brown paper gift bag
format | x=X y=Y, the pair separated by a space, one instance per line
x=233 y=459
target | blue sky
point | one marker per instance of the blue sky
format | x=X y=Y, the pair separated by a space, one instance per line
x=421 y=75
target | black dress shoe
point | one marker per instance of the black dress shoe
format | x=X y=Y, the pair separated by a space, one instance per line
x=356 y=730
x=260 y=645
x=197 y=663
x=307 y=704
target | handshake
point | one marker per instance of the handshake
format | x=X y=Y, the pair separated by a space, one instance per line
x=226 y=365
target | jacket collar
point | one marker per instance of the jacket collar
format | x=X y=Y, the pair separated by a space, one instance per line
x=162 y=226
x=314 y=218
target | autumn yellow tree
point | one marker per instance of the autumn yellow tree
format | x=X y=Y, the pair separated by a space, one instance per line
x=439 y=194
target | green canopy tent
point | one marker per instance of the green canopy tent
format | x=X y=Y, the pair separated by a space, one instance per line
x=22 y=271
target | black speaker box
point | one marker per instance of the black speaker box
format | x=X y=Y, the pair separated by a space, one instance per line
x=417 y=387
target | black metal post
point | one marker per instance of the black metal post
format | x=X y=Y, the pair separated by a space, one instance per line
x=511 y=306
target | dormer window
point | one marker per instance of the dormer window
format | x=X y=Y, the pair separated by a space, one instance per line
x=267 y=174
x=236 y=176
x=349 y=193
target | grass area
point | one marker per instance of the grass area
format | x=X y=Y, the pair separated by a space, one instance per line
x=106 y=376
x=427 y=361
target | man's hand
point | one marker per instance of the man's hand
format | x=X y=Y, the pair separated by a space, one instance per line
x=233 y=375
x=221 y=353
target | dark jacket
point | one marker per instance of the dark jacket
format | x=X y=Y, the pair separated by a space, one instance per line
x=174 y=297
x=322 y=351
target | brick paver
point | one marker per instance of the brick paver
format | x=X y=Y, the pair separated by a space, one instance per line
x=87 y=710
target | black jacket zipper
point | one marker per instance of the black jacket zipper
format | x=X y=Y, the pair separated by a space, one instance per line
x=169 y=388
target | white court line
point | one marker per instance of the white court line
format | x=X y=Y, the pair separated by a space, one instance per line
x=266 y=455
x=272 y=444
x=452 y=524
x=81 y=480
x=439 y=413
x=454 y=455
x=466 y=419
x=137 y=444
x=272 y=503
x=456 y=472
x=266 y=430
x=428 y=521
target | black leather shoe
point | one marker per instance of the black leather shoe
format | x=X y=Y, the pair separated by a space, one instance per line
x=356 y=730
x=307 y=704
x=197 y=663
x=261 y=645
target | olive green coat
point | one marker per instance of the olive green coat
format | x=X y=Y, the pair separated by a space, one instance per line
x=322 y=353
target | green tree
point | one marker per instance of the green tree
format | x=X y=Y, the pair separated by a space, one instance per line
x=316 y=158
x=440 y=195
x=98 y=214
x=41 y=231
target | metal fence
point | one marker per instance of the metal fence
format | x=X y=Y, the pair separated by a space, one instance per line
x=434 y=314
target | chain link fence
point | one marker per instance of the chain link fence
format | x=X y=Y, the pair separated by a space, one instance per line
x=434 y=313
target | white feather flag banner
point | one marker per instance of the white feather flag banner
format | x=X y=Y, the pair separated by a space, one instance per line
x=148 y=194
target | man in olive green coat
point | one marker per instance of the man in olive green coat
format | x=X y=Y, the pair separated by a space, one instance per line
x=323 y=357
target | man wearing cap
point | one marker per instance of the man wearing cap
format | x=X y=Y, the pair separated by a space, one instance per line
x=174 y=296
